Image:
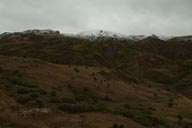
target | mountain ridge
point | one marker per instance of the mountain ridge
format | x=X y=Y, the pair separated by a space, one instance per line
x=92 y=34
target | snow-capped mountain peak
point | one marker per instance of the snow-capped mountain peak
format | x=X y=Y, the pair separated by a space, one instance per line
x=100 y=33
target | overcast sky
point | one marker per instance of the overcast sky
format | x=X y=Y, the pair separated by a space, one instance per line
x=166 y=17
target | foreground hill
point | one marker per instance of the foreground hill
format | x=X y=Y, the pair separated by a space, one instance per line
x=61 y=81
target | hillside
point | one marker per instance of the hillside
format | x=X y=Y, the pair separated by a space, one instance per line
x=53 y=80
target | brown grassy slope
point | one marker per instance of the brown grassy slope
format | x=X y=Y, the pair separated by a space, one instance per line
x=108 y=53
x=76 y=81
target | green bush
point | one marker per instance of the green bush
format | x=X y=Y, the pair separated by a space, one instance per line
x=145 y=119
x=23 y=99
x=68 y=100
x=23 y=91
x=187 y=66
x=188 y=125
x=84 y=98
x=143 y=116
x=20 y=82
x=74 y=108
x=115 y=125
x=54 y=40
x=101 y=107
x=39 y=103
x=53 y=93
x=41 y=91
x=83 y=108
x=56 y=100
x=34 y=95
x=57 y=88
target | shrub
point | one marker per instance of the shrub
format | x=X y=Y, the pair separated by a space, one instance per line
x=95 y=78
x=115 y=126
x=171 y=103
x=74 y=108
x=41 y=91
x=92 y=74
x=85 y=89
x=121 y=126
x=76 y=70
x=54 y=40
x=83 y=108
x=39 y=103
x=53 y=93
x=57 y=88
x=23 y=99
x=101 y=107
x=69 y=86
x=108 y=85
x=68 y=100
x=107 y=98
x=20 y=82
x=143 y=116
x=188 y=125
x=148 y=120
x=82 y=98
x=187 y=66
x=23 y=91
x=55 y=100
x=34 y=95
x=180 y=118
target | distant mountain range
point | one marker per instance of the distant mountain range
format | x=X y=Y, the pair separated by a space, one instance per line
x=91 y=35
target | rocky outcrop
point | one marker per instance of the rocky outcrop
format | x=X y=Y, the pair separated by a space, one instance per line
x=34 y=31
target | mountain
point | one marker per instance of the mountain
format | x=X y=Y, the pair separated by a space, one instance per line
x=91 y=35
x=103 y=33
x=99 y=34
x=49 y=79
x=183 y=38
x=27 y=32
x=96 y=34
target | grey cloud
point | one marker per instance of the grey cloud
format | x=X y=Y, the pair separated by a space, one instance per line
x=167 y=17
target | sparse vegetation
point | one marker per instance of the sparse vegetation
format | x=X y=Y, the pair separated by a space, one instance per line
x=56 y=100
x=53 y=93
x=40 y=103
x=23 y=91
x=147 y=83
x=83 y=108
x=20 y=82
x=34 y=95
x=68 y=100
x=23 y=99
x=118 y=126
